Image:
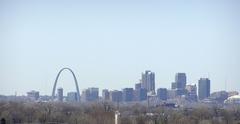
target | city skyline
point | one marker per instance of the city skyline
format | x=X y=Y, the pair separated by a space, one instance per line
x=109 y=44
x=180 y=77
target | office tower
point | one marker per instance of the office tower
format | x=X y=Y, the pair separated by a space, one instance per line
x=72 y=97
x=116 y=96
x=60 y=94
x=191 y=92
x=85 y=97
x=137 y=86
x=34 y=95
x=203 y=88
x=180 y=80
x=140 y=94
x=127 y=94
x=162 y=93
x=90 y=94
x=148 y=81
x=94 y=94
x=105 y=94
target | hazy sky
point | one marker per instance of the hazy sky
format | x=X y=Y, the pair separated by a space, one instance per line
x=108 y=44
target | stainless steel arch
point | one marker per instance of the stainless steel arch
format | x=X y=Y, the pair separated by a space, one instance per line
x=75 y=80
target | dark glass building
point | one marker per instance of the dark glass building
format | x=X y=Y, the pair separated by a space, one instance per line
x=180 y=80
x=203 y=88
x=127 y=94
x=162 y=93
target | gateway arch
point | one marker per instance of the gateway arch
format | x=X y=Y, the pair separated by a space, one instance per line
x=75 y=80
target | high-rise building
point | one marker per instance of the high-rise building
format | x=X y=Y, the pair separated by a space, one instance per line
x=90 y=94
x=127 y=94
x=72 y=97
x=94 y=94
x=180 y=80
x=105 y=94
x=34 y=95
x=140 y=94
x=203 y=88
x=148 y=81
x=116 y=96
x=191 y=92
x=85 y=97
x=162 y=93
x=60 y=94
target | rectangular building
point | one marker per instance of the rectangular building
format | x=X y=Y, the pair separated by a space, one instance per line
x=148 y=81
x=72 y=97
x=203 y=88
x=127 y=94
x=116 y=96
x=140 y=94
x=105 y=94
x=162 y=93
x=34 y=95
x=60 y=94
x=90 y=94
x=181 y=80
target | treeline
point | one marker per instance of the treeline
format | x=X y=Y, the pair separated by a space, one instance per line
x=103 y=113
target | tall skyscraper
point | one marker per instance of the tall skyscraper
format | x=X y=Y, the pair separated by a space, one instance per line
x=94 y=93
x=60 y=94
x=127 y=94
x=148 y=81
x=180 y=80
x=162 y=93
x=203 y=88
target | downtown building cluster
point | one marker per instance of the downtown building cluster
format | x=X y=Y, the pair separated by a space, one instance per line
x=144 y=91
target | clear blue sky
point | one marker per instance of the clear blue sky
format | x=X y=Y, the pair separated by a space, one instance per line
x=108 y=44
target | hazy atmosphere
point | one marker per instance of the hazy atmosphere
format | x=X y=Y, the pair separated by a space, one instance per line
x=109 y=44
